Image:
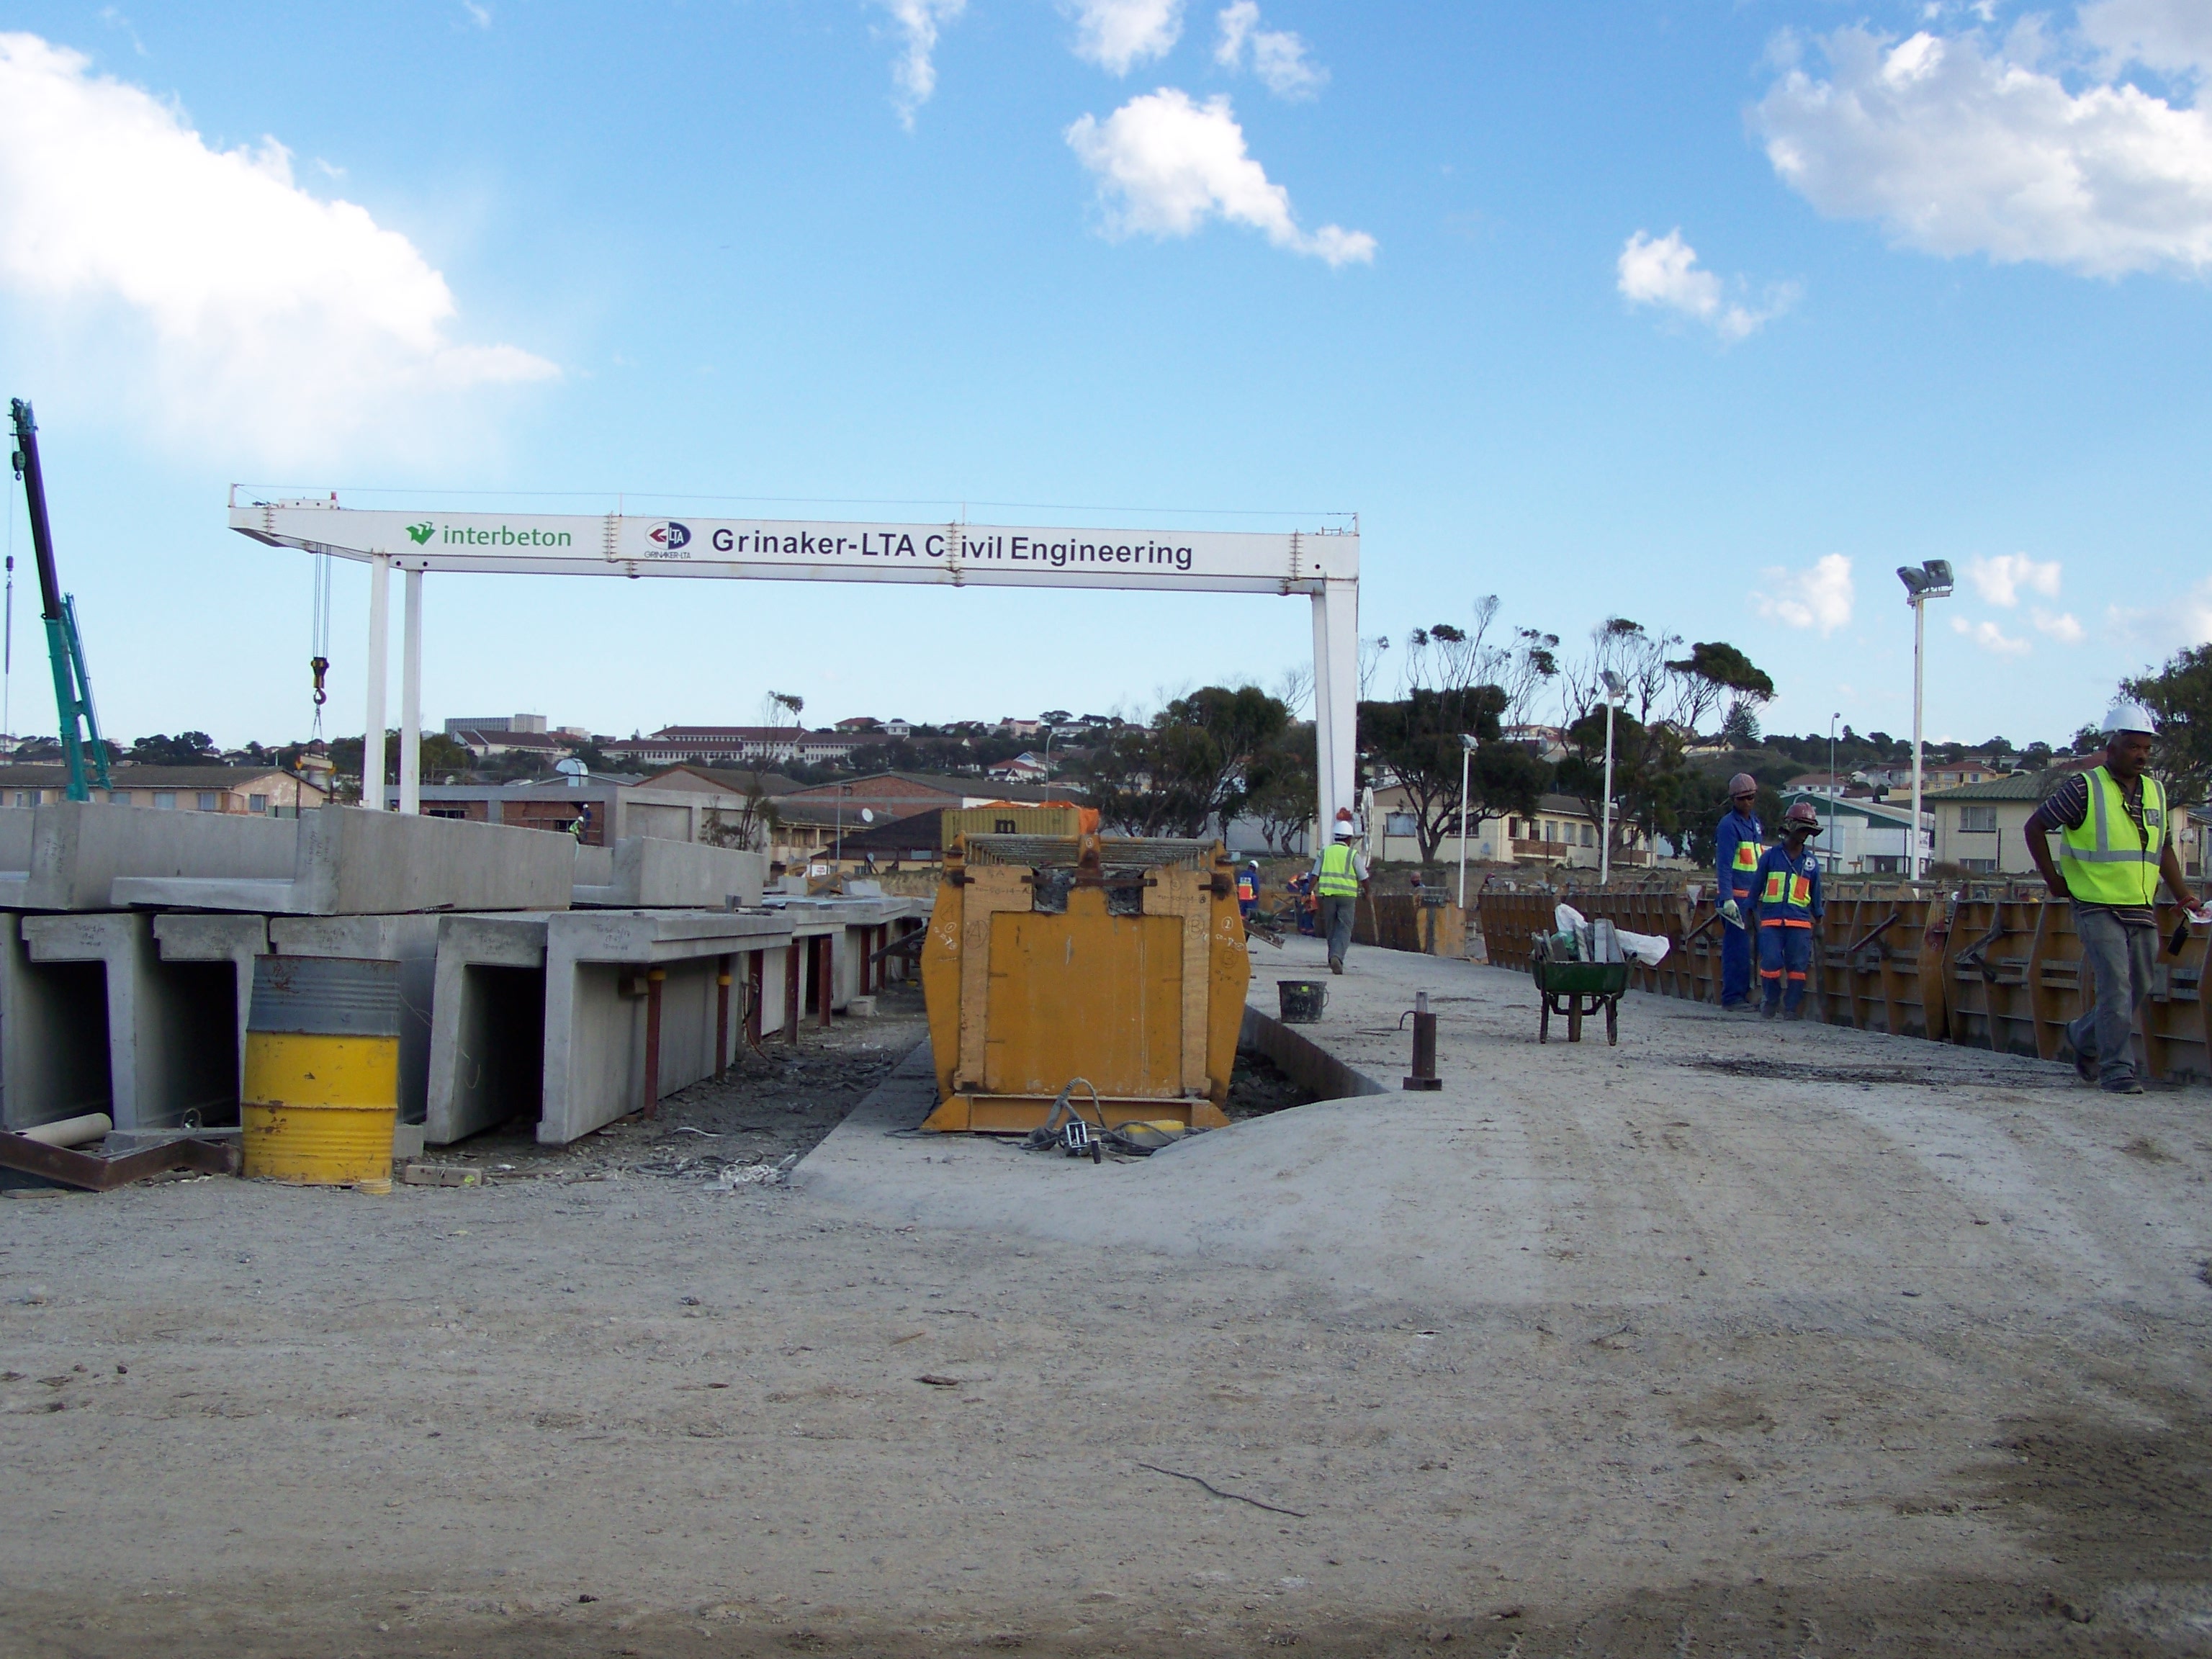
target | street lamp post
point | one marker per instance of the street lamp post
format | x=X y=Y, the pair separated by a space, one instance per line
x=1466 y=751
x=1835 y=788
x=1924 y=582
x=1615 y=688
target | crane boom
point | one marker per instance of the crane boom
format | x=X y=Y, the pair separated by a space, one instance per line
x=80 y=725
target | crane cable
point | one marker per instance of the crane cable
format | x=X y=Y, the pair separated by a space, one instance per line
x=8 y=627
x=318 y=629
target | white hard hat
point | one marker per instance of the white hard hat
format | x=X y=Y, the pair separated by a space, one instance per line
x=1347 y=830
x=2130 y=717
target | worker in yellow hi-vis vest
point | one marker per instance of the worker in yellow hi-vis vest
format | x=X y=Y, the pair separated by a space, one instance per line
x=2116 y=845
x=1337 y=875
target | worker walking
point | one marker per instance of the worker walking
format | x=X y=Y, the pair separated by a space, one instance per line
x=1737 y=845
x=1790 y=907
x=2115 y=843
x=1337 y=875
x=1247 y=890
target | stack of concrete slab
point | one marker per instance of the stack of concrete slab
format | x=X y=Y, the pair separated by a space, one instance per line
x=349 y=862
x=639 y=872
x=128 y=939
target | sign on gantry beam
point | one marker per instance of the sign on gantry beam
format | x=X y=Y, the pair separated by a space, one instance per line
x=1322 y=565
x=1200 y=561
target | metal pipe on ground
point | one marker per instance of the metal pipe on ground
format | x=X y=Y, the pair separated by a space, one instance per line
x=70 y=1131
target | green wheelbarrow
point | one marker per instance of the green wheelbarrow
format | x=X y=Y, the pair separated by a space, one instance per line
x=1571 y=987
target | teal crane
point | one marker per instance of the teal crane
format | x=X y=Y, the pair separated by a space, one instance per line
x=64 y=647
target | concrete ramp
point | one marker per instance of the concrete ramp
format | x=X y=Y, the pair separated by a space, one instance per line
x=1722 y=1162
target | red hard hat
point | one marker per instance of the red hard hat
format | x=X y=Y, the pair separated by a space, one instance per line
x=1802 y=813
x=1743 y=784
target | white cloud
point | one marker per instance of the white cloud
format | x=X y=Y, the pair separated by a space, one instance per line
x=229 y=299
x=1165 y=166
x=1664 y=272
x=2171 y=35
x=1959 y=148
x=1119 y=34
x=1279 y=55
x=1819 y=597
x=915 y=74
x=2059 y=625
x=2185 y=621
x=479 y=14
x=2002 y=579
x=1989 y=637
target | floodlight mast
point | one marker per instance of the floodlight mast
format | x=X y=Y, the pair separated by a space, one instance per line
x=1321 y=564
x=1921 y=583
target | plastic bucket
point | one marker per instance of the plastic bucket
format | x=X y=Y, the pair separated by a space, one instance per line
x=1302 y=1000
x=321 y=1095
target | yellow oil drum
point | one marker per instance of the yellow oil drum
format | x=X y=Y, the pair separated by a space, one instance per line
x=321 y=1095
x=1118 y=962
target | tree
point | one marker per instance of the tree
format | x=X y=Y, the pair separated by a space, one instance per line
x=185 y=749
x=1190 y=767
x=2180 y=695
x=1653 y=786
x=1419 y=741
x=1740 y=729
x=1715 y=670
x=1282 y=784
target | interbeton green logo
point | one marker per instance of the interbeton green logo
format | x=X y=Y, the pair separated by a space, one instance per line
x=422 y=532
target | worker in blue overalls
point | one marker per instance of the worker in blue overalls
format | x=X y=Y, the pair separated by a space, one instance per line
x=1247 y=890
x=1789 y=910
x=1736 y=848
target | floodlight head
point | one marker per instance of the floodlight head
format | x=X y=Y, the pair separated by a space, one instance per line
x=1915 y=580
x=1614 y=685
x=1939 y=574
x=1467 y=740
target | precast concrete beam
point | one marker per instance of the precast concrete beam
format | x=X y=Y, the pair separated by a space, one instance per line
x=170 y=1028
x=67 y=855
x=640 y=872
x=353 y=862
x=617 y=1038
x=54 y=1055
x=487 y=1023
x=185 y=938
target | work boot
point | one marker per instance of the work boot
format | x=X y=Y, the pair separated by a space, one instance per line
x=1798 y=1012
x=2085 y=1066
x=2121 y=1085
x=1768 y=1010
x=1335 y=965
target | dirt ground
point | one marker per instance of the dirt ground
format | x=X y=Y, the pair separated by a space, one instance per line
x=602 y=1406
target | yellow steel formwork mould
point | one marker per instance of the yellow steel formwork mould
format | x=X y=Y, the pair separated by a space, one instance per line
x=1053 y=958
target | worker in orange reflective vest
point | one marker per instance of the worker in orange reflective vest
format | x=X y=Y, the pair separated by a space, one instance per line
x=1737 y=844
x=1789 y=910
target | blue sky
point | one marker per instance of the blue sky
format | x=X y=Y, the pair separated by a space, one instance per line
x=1707 y=315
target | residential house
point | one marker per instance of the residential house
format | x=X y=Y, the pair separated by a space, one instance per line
x=484 y=742
x=1027 y=767
x=608 y=807
x=1861 y=835
x=529 y=723
x=1562 y=831
x=248 y=789
x=735 y=745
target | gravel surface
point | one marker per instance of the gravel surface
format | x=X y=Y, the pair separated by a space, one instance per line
x=602 y=1406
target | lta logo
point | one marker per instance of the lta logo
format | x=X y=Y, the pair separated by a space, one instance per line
x=668 y=537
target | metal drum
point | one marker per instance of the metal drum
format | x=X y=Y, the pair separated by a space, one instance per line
x=322 y=1071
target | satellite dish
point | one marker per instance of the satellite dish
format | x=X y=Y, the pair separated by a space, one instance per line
x=867 y=815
